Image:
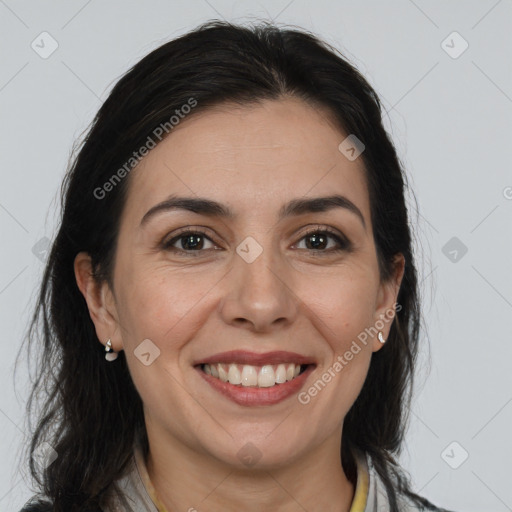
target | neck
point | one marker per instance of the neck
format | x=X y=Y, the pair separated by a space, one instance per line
x=186 y=480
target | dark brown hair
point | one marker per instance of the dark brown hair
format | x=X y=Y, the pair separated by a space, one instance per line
x=92 y=411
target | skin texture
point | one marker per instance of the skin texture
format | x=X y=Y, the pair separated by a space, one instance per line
x=292 y=297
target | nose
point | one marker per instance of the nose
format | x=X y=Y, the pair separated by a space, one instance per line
x=259 y=295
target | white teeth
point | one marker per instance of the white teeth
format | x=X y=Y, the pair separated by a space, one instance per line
x=222 y=374
x=249 y=376
x=266 y=378
x=234 y=375
x=281 y=374
x=253 y=376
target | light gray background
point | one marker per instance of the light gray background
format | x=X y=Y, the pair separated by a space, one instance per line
x=451 y=120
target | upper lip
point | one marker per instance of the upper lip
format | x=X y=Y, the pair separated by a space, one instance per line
x=255 y=359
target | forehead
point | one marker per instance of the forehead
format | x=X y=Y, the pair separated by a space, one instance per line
x=262 y=154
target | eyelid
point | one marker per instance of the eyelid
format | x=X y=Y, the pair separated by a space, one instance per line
x=316 y=228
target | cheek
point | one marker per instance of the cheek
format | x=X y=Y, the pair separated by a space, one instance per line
x=160 y=304
x=344 y=307
x=340 y=312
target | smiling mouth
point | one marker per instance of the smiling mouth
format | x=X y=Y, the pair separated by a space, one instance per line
x=244 y=375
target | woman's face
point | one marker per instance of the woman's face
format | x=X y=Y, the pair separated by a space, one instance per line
x=258 y=281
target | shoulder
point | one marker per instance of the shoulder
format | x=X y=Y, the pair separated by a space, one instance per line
x=37 y=505
x=377 y=497
x=419 y=504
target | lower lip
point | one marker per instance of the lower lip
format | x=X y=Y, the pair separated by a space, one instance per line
x=258 y=396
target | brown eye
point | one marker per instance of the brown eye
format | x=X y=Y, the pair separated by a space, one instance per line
x=188 y=241
x=319 y=239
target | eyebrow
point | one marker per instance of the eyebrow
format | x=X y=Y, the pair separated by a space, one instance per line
x=210 y=208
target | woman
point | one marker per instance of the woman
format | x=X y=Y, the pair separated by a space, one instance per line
x=230 y=309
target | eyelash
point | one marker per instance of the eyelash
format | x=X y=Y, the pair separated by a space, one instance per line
x=344 y=243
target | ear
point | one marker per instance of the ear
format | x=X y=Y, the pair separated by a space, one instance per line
x=100 y=301
x=386 y=300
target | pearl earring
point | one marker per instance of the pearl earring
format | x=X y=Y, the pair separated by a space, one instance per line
x=381 y=338
x=110 y=356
